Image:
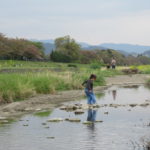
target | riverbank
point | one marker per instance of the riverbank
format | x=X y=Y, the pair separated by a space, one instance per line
x=47 y=102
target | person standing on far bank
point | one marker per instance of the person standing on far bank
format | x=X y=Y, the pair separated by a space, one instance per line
x=113 y=63
x=88 y=84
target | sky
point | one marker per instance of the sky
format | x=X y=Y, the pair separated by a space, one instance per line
x=90 y=21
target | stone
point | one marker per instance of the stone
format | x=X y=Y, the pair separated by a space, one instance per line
x=85 y=106
x=28 y=109
x=69 y=107
x=87 y=122
x=79 y=111
x=144 y=104
x=132 y=105
x=106 y=113
x=96 y=106
x=4 y=121
x=73 y=119
x=51 y=137
x=38 y=109
x=100 y=121
x=114 y=105
x=3 y=118
x=79 y=105
x=63 y=108
x=55 y=120
x=25 y=125
x=44 y=124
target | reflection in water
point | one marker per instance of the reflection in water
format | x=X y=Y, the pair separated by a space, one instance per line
x=91 y=130
x=114 y=93
x=91 y=115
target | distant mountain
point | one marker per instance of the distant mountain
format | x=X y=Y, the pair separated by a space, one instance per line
x=129 y=48
x=48 y=47
x=43 y=41
x=124 y=53
x=94 y=47
x=47 y=44
x=84 y=45
x=146 y=53
x=125 y=49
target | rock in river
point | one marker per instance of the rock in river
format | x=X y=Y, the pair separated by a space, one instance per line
x=79 y=111
x=3 y=118
x=132 y=105
x=106 y=113
x=144 y=104
x=73 y=119
x=55 y=120
x=88 y=122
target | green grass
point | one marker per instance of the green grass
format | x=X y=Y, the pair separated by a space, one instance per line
x=15 y=64
x=9 y=121
x=145 y=69
x=20 y=86
x=43 y=114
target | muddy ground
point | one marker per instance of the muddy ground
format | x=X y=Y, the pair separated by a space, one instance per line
x=46 y=102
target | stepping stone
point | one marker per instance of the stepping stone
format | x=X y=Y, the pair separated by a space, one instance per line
x=55 y=120
x=79 y=111
x=88 y=122
x=25 y=125
x=73 y=120
x=98 y=121
x=51 y=137
x=106 y=113
x=44 y=124
x=132 y=105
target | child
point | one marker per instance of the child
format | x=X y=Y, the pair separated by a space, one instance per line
x=89 y=90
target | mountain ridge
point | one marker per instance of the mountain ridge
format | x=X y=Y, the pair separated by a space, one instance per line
x=126 y=49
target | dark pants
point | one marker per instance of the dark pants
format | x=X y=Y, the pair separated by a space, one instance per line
x=113 y=66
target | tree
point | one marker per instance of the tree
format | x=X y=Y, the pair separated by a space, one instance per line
x=66 y=48
x=20 y=48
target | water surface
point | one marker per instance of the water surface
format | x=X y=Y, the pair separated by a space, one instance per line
x=121 y=129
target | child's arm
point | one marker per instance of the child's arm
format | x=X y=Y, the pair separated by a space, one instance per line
x=84 y=83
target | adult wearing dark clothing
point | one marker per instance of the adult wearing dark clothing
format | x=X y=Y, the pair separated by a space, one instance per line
x=113 y=63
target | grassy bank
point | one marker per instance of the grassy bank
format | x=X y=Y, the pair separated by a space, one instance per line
x=19 y=86
x=145 y=69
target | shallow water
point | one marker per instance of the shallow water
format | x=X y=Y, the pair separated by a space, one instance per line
x=121 y=129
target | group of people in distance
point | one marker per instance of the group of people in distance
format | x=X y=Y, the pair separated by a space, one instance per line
x=112 y=64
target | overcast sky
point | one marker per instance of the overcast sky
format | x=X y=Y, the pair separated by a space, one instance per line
x=91 y=21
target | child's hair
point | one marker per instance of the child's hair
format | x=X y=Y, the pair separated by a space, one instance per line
x=93 y=76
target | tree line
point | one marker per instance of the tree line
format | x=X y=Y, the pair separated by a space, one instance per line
x=20 y=49
x=66 y=50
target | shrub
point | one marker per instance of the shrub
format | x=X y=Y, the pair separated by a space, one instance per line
x=72 y=65
x=95 y=66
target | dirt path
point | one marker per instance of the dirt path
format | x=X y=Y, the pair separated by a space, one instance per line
x=46 y=102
